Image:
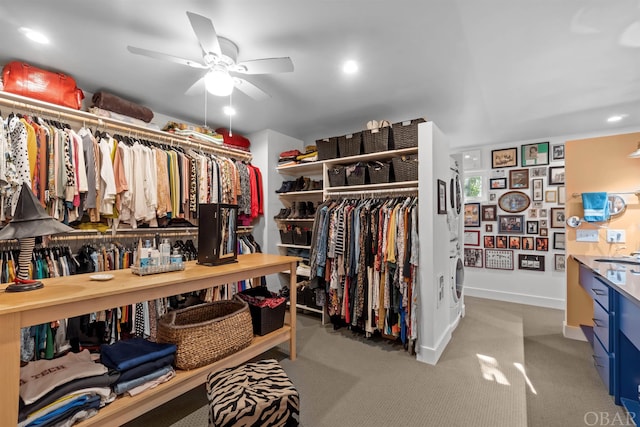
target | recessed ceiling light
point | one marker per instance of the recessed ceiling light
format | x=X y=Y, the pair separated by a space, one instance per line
x=616 y=118
x=350 y=67
x=229 y=111
x=34 y=35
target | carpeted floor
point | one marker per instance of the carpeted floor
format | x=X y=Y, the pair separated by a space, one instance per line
x=345 y=379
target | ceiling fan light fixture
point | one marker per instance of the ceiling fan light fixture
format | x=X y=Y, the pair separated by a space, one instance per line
x=218 y=82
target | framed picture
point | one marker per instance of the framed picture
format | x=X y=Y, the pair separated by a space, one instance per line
x=537 y=190
x=492 y=197
x=473 y=257
x=542 y=213
x=534 y=154
x=488 y=228
x=556 y=175
x=562 y=195
x=519 y=178
x=497 y=183
x=514 y=242
x=558 y=262
x=542 y=244
x=557 y=217
x=504 y=158
x=502 y=242
x=489 y=213
x=533 y=213
x=513 y=224
x=557 y=152
x=442 y=197
x=544 y=231
x=527 y=243
x=514 y=201
x=471 y=237
x=538 y=172
x=536 y=205
x=558 y=241
x=531 y=262
x=472 y=214
x=498 y=259
x=543 y=223
x=550 y=196
x=489 y=241
x=472 y=160
x=532 y=227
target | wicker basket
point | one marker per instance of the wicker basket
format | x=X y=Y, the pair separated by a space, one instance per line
x=405 y=134
x=356 y=174
x=405 y=168
x=207 y=332
x=374 y=141
x=327 y=148
x=379 y=172
x=264 y=319
x=350 y=145
x=336 y=176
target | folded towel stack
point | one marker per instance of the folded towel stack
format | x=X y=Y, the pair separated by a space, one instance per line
x=596 y=206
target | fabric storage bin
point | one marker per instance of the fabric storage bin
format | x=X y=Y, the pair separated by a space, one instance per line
x=356 y=174
x=267 y=309
x=207 y=332
x=350 y=145
x=405 y=168
x=405 y=134
x=286 y=237
x=301 y=236
x=337 y=176
x=376 y=140
x=327 y=148
x=379 y=172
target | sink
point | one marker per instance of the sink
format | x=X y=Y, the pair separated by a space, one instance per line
x=630 y=261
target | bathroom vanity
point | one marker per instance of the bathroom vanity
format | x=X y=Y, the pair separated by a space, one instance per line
x=614 y=286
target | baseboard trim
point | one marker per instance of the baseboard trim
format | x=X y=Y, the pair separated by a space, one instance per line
x=516 y=298
x=431 y=355
x=573 y=332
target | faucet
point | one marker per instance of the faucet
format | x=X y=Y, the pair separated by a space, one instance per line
x=635 y=254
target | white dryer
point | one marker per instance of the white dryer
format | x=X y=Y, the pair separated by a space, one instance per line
x=456 y=266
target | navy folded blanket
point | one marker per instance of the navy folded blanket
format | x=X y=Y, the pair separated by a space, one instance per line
x=127 y=354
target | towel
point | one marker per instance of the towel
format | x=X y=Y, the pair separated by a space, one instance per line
x=596 y=206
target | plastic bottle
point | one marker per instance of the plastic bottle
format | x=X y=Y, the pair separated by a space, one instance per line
x=145 y=259
x=165 y=252
x=176 y=259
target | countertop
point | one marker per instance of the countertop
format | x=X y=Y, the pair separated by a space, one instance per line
x=624 y=278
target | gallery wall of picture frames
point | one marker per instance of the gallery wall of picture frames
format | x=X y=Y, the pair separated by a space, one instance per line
x=520 y=221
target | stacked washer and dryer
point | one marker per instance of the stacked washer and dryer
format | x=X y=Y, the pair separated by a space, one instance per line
x=454 y=221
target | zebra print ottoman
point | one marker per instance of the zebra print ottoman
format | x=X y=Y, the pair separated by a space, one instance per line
x=254 y=394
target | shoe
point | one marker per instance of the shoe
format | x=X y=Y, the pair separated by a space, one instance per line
x=280 y=214
x=311 y=210
x=286 y=186
x=302 y=210
x=316 y=185
x=293 y=213
x=299 y=184
x=307 y=184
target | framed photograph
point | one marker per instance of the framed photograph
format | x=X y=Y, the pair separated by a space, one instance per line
x=557 y=217
x=557 y=151
x=531 y=262
x=558 y=241
x=562 y=195
x=532 y=227
x=497 y=183
x=537 y=190
x=542 y=213
x=492 y=197
x=536 y=205
x=519 y=178
x=556 y=175
x=538 y=172
x=542 y=244
x=550 y=196
x=527 y=243
x=513 y=224
x=488 y=228
x=498 y=259
x=543 y=223
x=504 y=158
x=489 y=213
x=502 y=242
x=442 y=197
x=533 y=213
x=472 y=214
x=473 y=257
x=471 y=237
x=544 y=231
x=472 y=160
x=514 y=201
x=489 y=241
x=514 y=242
x=558 y=262
x=534 y=154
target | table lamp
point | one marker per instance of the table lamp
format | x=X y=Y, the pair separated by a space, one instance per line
x=29 y=221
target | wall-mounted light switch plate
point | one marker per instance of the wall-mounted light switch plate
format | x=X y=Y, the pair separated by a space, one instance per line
x=587 y=236
x=616 y=236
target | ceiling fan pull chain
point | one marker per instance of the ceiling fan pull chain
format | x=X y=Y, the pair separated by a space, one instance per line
x=230 y=113
x=205 y=108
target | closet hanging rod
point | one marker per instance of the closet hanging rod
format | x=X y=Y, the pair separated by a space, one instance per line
x=389 y=191
x=58 y=112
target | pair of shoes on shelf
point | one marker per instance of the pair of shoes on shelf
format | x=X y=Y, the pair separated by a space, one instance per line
x=284 y=213
x=302 y=210
x=286 y=187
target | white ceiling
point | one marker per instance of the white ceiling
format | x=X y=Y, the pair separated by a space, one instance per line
x=485 y=71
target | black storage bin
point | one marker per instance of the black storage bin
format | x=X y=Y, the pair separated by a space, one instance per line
x=379 y=172
x=405 y=168
x=350 y=145
x=356 y=174
x=286 y=237
x=301 y=236
x=264 y=319
x=405 y=134
x=336 y=176
x=376 y=140
x=327 y=148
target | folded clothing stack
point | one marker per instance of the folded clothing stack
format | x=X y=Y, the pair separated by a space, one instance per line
x=288 y=157
x=111 y=102
x=310 y=154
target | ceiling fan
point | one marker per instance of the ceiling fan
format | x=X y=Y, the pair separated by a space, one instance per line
x=219 y=58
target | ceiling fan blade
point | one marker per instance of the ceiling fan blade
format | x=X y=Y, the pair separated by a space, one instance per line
x=265 y=66
x=250 y=89
x=164 y=57
x=197 y=88
x=205 y=32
